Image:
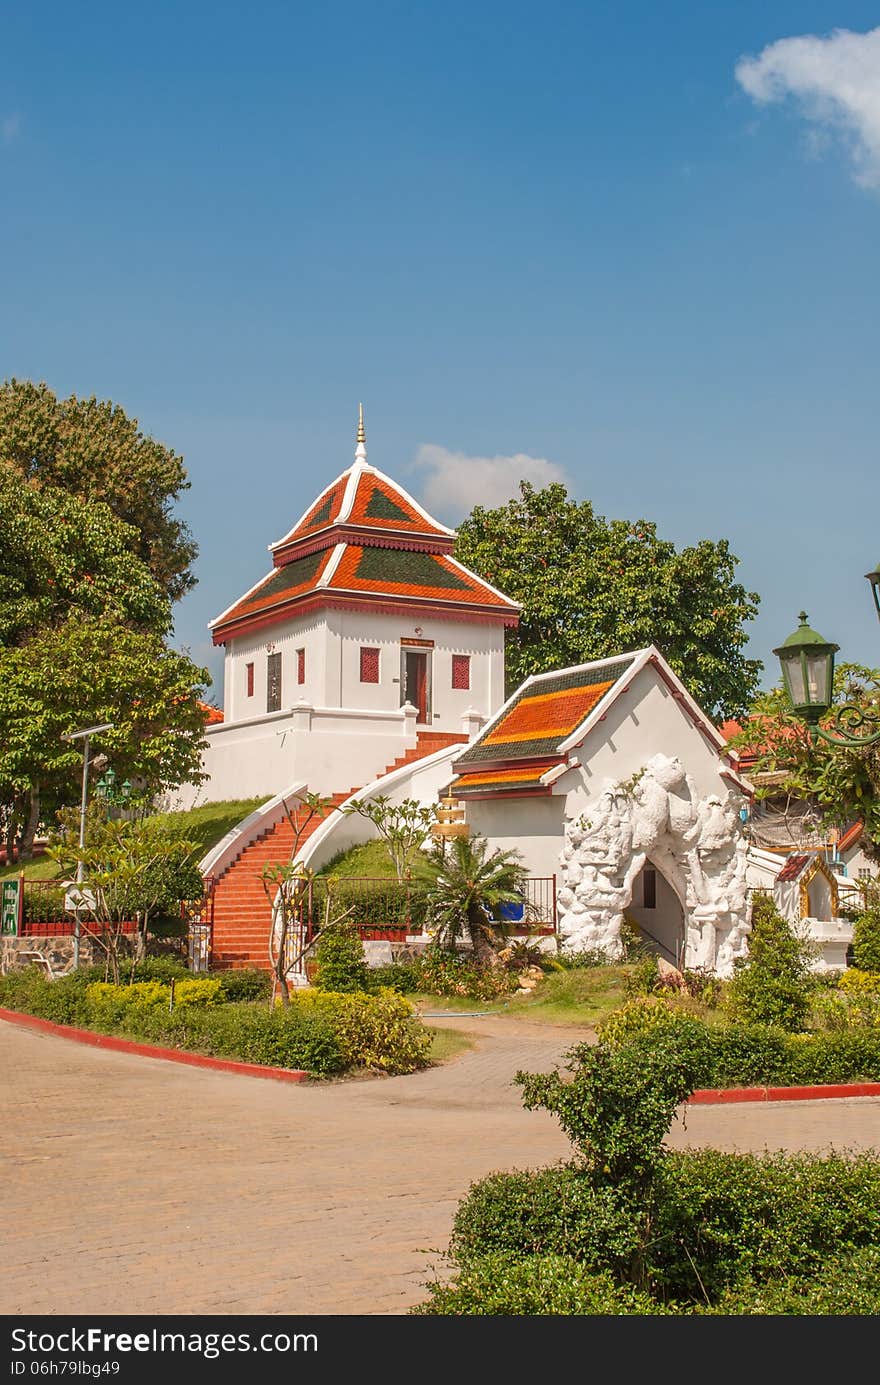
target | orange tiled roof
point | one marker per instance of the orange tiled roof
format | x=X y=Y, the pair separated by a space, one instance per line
x=523 y=744
x=366 y=572
x=363 y=498
x=403 y=572
x=214 y=714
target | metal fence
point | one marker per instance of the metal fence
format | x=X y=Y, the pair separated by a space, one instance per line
x=383 y=908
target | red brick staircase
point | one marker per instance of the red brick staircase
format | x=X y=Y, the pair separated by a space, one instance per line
x=242 y=912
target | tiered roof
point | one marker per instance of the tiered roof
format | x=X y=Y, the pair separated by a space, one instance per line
x=365 y=542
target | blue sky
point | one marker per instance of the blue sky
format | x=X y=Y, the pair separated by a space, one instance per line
x=568 y=236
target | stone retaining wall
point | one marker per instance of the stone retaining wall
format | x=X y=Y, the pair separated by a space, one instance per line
x=17 y=953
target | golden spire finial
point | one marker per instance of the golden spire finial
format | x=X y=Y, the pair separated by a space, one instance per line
x=361 y=437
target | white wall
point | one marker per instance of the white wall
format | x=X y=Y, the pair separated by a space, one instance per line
x=531 y=826
x=285 y=639
x=644 y=720
x=330 y=749
x=333 y=639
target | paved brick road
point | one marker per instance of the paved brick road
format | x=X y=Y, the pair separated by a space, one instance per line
x=133 y=1185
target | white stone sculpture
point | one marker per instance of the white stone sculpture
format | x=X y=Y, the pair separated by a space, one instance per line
x=697 y=844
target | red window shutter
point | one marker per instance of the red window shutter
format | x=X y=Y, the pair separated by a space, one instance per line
x=461 y=670
x=249 y=670
x=300 y=666
x=369 y=665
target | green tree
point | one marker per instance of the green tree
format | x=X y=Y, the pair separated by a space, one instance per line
x=403 y=827
x=61 y=554
x=132 y=871
x=87 y=671
x=466 y=888
x=590 y=587
x=772 y=984
x=92 y=449
x=842 y=783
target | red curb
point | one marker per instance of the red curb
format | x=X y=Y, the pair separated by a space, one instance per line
x=707 y=1096
x=171 y=1055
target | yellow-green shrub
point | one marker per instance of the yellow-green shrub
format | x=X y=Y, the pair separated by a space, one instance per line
x=638 y=1016
x=108 y=1004
x=374 y=1031
x=198 y=992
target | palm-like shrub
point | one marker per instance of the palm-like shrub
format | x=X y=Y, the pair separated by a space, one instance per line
x=466 y=889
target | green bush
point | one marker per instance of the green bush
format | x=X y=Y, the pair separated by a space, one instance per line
x=339 y=953
x=555 y=1211
x=373 y=903
x=866 y=939
x=321 y=1032
x=245 y=984
x=291 y=1037
x=442 y=972
x=847 y=1286
x=588 y=957
x=641 y=977
x=719 y=1221
x=539 y=1286
x=772 y=985
x=380 y=1032
x=404 y=977
x=725 y=1217
x=158 y=969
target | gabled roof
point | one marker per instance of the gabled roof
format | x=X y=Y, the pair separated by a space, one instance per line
x=526 y=746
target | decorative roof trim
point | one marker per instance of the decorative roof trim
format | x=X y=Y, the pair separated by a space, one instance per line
x=313 y=505
x=361 y=538
x=331 y=565
x=396 y=486
x=515 y=605
x=329 y=598
x=600 y=711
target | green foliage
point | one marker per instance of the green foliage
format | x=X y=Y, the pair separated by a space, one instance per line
x=843 y=783
x=617 y=1104
x=439 y=972
x=730 y=1231
x=246 y=983
x=641 y=978
x=91 y=670
x=368 y=903
x=320 y=1032
x=845 y=1286
x=467 y=885
x=588 y=957
x=541 y=1285
x=556 y=1210
x=62 y=556
x=588 y=585
x=402 y=826
x=379 y=1032
x=91 y=449
x=725 y=1217
x=207 y=824
x=866 y=939
x=339 y=954
x=772 y=985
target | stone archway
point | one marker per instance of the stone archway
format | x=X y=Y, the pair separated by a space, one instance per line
x=697 y=844
x=658 y=913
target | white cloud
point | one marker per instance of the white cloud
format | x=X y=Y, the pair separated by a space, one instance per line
x=10 y=128
x=455 y=482
x=836 y=81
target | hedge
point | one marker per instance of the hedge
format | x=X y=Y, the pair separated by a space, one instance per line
x=321 y=1032
x=724 y=1220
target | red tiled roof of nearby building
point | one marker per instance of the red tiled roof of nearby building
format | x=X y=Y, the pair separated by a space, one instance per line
x=364 y=544
x=213 y=714
x=850 y=836
x=793 y=867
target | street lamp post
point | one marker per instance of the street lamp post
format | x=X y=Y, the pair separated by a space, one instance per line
x=85 y=736
x=807 y=662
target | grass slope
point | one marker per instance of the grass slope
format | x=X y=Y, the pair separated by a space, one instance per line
x=206 y=825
